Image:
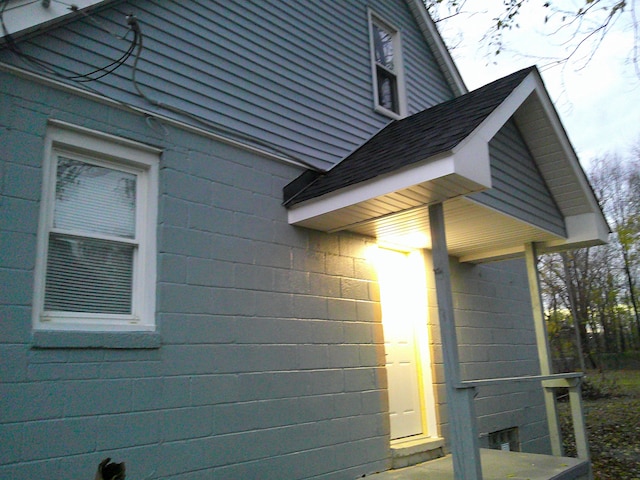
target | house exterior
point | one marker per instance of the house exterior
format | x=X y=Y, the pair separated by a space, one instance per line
x=269 y=239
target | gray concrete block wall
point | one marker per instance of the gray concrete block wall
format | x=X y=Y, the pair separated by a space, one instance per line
x=496 y=337
x=270 y=361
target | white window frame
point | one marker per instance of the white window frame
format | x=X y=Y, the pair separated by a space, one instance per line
x=63 y=139
x=398 y=70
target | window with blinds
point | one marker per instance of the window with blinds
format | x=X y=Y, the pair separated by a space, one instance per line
x=93 y=239
x=96 y=262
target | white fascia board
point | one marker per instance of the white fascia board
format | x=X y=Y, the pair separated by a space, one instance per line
x=376 y=187
x=499 y=117
x=471 y=163
x=472 y=160
x=587 y=229
x=24 y=15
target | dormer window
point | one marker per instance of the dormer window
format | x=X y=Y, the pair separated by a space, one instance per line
x=386 y=58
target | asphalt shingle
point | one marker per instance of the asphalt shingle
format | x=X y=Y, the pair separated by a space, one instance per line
x=404 y=142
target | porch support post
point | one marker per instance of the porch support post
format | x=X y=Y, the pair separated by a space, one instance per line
x=460 y=400
x=543 y=347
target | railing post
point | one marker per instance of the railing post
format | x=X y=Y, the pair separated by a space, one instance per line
x=460 y=400
x=542 y=340
x=579 y=426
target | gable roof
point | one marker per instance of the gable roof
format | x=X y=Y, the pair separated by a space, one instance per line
x=442 y=155
x=413 y=139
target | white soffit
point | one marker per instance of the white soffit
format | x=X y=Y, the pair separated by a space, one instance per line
x=25 y=15
x=465 y=171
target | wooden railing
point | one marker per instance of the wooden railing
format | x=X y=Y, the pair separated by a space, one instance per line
x=572 y=382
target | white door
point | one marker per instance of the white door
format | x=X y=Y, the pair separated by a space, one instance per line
x=403 y=301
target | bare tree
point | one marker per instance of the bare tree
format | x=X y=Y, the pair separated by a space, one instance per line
x=585 y=23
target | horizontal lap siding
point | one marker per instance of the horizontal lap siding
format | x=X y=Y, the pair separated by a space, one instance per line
x=295 y=75
x=518 y=188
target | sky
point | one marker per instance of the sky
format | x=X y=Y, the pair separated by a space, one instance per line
x=598 y=100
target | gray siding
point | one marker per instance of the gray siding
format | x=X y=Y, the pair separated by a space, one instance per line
x=518 y=187
x=296 y=75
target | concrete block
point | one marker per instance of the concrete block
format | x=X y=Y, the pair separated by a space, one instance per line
x=248 y=225
x=306 y=306
x=308 y=260
x=273 y=255
x=187 y=423
x=359 y=379
x=56 y=438
x=339 y=265
x=343 y=356
x=231 y=301
x=200 y=359
x=40 y=372
x=173 y=212
x=232 y=249
x=215 y=389
x=324 y=285
x=186 y=187
x=12 y=435
x=183 y=241
x=210 y=273
x=172 y=268
x=15 y=326
x=130 y=430
x=13 y=363
x=16 y=287
x=23 y=402
x=191 y=299
x=181 y=328
x=182 y=457
x=95 y=397
x=313 y=357
x=292 y=281
x=342 y=309
x=22 y=181
x=253 y=277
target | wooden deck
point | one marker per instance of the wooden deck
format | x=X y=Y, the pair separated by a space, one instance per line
x=498 y=465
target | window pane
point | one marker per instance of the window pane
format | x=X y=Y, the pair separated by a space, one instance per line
x=387 y=90
x=94 y=199
x=383 y=45
x=88 y=275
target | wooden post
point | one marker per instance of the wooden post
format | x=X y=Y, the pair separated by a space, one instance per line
x=577 y=415
x=460 y=400
x=543 y=347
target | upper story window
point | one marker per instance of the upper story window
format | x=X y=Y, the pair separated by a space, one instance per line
x=96 y=249
x=388 y=77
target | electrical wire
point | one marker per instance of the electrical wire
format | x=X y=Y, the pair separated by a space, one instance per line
x=137 y=46
x=217 y=127
x=52 y=69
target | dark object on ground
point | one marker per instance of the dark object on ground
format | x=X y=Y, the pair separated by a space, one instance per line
x=110 y=471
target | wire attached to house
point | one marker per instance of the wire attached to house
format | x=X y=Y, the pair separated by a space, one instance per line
x=53 y=69
x=133 y=22
x=136 y=46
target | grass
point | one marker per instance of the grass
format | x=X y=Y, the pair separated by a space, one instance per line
x=612 y=414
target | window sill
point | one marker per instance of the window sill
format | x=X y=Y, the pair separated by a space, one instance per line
x=108 y=340
x=388 y=113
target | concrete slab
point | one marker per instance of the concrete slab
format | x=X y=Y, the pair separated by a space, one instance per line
x=496 y=465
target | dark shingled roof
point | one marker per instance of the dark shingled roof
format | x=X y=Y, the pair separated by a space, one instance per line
x=410 y=140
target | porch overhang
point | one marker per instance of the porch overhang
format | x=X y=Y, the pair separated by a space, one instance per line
x=392 y=206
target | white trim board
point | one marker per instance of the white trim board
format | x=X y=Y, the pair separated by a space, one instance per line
x=21 y=16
